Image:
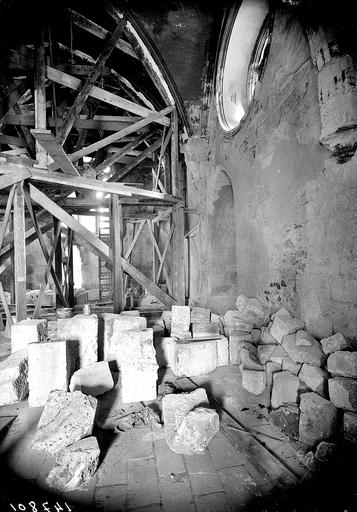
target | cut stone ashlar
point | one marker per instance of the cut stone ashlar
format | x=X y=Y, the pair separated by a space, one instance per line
x=114 y=326
x=27 y=331
x=180 y=318
x=94 y=379
x=195 y=358
x=82 y=333
x=343 y=364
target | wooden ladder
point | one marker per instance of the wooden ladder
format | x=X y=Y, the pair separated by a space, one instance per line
x=104 y=273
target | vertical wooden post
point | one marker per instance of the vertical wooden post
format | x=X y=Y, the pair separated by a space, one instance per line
x=40 y=96
x=70 y=269
x=178 y=251
x=117 y=273
x=58 y=261
x=20 y=252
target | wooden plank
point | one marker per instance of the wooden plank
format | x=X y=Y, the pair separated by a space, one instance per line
x=100 y=94
x=100 y=32
x=118 y=154
x=9 y=179
x=6 y=215
x=19 y=252
x=40 y=96
x=114 y=137
x=178 y=257
x=161 y=258
x=134 y=240
x=117 y=272
x=165 y=251
x=70 y=297
x=58 y=263
x=135 y=162
x=43 y=246
x=55 y=150
x=89 y=83
x=10 y=140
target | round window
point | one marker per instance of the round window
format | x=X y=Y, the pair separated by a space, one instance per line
x=242 y=57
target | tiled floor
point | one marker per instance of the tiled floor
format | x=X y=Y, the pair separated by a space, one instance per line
x=140 y=472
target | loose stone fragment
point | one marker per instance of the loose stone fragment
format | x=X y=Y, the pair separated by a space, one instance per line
x=81 y=331
x=75 y=465
x=343 y=393
x=197 y=429
x=204 y=330
x=286 y=418
x=249 y=361
x=234 y=323
x=318 y=419
x=266 y=338
x=291 y=365
x=222 y=351
x=27 y=331
x=270 y=369
x=271 y=353
x=350 y=426
x=284 y=325
x=326 y=452
x=175 y=408
x=50 y=368
x=315 y=378
x=200 y=315
x=254 y=381
x=282 y=312
x=195 y=358
x=94 y=379
x=285 y=389
x=304 y=354
x=335 y=343
x=252 y=311
x=256 y=335
x=304 y=338
x=343 y=364
x=15 y=366
x=13 y=391
x=236 y=343
x=66 y=418
x=180 y=318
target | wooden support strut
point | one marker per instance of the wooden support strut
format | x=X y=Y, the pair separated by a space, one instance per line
x=20 y=253
x=117 y=272
x=40 y=97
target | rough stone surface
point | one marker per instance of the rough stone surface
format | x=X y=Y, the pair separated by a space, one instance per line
x=81 y=330
x=165 y=351
x=249 y=361
x=291 y=365
x=343 y=393
x=12 y=391
x=302 y=353
x=252 y=310
x=175 y=407
x=350 y=426
x=270 y=369
x=222 y=351
x=233 y=321
x=49 y=368
x=75 y=465
x=235 y=346
x=315 y=378
x=66 y=418
x=266 y=338
x=197 y=429
x=285 y=389
x=343 y=364
x=271 y=353
x=284 y=325
x=304 y=338
x=254 y=381
x=335 y=343
x=195 y=358
x=27 y=331
x=286 y=418
x=326 y=452
x=200 y=315
x=256 y=335
x=180 y=318
x=318 y=419
x=15 y=366
x=93 y=380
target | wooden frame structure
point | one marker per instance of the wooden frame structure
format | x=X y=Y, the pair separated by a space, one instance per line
x=74 y=129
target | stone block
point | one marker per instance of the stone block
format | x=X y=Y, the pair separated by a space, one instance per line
x=12 y=391
x=270 y=369
x=175 y=407
x=335 y=343
x=302 y=353
x=284 y=325
x=165 y=320
x=14 y=367
x=326 y=452
x=281 y=312
x=66 y=418
x=252 y=311
x=233 y=321
x=75 y=465
x=133 y=347
x=165 y=351
x=94 y=379
x=343 y=364
x=132 y=312
x=271 y=353
x=285 y=389
x=195 y=358
x=290 y=365
x=315 y=378
x=235 y=346
x=115 y=325
x=304 y=338
x=218 y=320
x=138 y=383
x=49 y=368
x=200 y=315
x=254 y=381
x=318 y=419
x=343 y=393
x=197 y=429
x=27 y=331
x=286 y=418
x=204 y=330
x=350 y=426
x=81 y=331
x=181 y=335
x=265 y=337
x=222 y=351
x=180 y=318
x=256 y=335
x=249 y=361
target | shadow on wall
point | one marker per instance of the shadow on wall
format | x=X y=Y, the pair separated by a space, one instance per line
x=222 y=236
